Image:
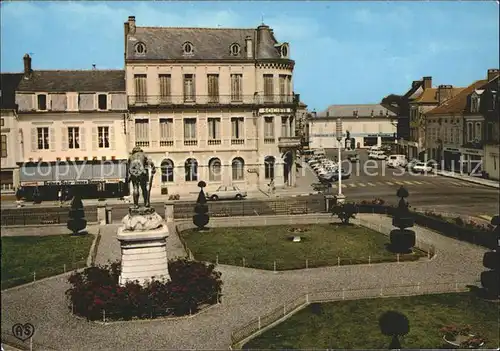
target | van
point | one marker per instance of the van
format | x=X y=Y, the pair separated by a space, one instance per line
x=395 y=161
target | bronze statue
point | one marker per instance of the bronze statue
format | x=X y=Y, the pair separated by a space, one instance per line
x=138 y=175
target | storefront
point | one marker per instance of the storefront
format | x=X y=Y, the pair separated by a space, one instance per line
x=452 y=159
x=473 y=161
x=7 y=181
x=89 y=179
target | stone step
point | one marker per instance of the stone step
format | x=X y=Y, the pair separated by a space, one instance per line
x=144 y=266
x=143 y=256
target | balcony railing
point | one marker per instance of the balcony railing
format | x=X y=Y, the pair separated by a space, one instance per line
x=173 y=100
x=268 y=140
x=214 y=142
x=190 y=142
x=166 y=143
x=237 y=141
x=142 y=143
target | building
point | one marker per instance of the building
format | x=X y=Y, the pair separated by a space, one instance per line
x=411 y=109
x=491 y=114
x=9 y=175
x=211 y=104
x=72 y=131
x=368 y=125
x=458 y=129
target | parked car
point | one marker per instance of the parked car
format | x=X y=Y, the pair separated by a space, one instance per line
x=421 y=167
x=353 y=157
x=227 y=193
x=377 y=155
x=410 y=164
x=395 y=161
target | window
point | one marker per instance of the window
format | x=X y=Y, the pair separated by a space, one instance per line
x=284 y=127
x=493 y=100
x=142 y=132
x=236 y=87
x=165 y=87
x=474 y=106
x=42 y=102
x=284 y=50
x=187 y=47
x=285 y=88
x=167 y=171
x=268 y=127
x=190 y=137
x=102 y=101
x=2 y=123
x=191 y=170
x=237 y=127
x=235 y=49
x=140 y=88
x=103 y=137
x=477 y=136
x=4 y=145
x=43 y=138
x=213 y=128
x=470 y=131
x=489 y=132
x=73 y=137
x=214 y=170
x=237 y=167
x=268 y=88
x=140 y=48
x=269 y=167
x=166 y=132
x=213 y=87
x=189 y=90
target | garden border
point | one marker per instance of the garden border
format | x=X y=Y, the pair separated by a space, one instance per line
x=182 y=225
x=280 y=314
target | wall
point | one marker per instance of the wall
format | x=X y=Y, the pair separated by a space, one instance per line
x=491 y=161
x=10 y=129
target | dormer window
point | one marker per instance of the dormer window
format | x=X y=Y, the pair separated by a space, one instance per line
x=234 y=49
x=493 y=100
x=284 y=51
x=42 y=102
x=140 y=48
x=102 y=102
x=474 y=105
x=187 y=47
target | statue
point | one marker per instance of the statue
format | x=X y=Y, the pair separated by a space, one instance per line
x=138 y=175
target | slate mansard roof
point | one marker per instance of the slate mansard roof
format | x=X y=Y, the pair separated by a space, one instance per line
x=74 y=81
x=351 y=111
x=166 y=43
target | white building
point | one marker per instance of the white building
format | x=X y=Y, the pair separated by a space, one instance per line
x=368 y=125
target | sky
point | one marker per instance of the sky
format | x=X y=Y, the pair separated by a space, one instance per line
x=345 y=52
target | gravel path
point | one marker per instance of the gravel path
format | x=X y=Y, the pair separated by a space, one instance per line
x=248 y=293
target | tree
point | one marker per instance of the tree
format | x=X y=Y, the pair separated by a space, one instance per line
x=402 y=239
x=490 y=279
x=76 y=221
x=394 y=324
x=200 y=219
x=344 y=212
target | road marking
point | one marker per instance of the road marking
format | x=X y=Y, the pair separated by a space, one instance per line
x=361 y=184
x=389 y=183
x=407 y=182
x=417 y=182
x=425 y=182
x=457 y=183
x=371 y=184
x=398 y=183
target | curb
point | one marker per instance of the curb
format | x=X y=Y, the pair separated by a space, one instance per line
x=470 y=180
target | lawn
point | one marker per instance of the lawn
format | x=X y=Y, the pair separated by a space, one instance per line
x=354 y=324
x=321 y=245
x=45 y=255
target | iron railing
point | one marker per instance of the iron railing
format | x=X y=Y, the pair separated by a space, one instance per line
x=234 y=99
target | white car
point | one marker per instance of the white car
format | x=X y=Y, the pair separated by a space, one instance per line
x=377 y=155
x=227 y=193
x=395 y=161
x=421 y=167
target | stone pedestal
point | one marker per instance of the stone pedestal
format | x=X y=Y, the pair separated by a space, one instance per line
x=143 y=244
x=340 y=199
x=329 y=202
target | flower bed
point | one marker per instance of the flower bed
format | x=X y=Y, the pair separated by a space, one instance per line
x=461 y=336
x=95 y=292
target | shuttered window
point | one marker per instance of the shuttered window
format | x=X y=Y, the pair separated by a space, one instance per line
x=214 y=128
x=190 y=129
x=236 y=87
x=269 y=127
x=43 y=138
x=165 y=87
x=103 y=137
x=4 y=145
x=140 y=88
x=213 y=87
x=142 y=132
x=268 y=88
x=166 y=129
x=189 y=88
x=73 y=137
x=42 y=102
x=237 y=127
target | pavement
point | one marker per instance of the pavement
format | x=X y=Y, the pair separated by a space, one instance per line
x=248 y=294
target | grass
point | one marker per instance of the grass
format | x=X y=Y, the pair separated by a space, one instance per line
x=354 y=324
x=322 y=245
x=44 y=255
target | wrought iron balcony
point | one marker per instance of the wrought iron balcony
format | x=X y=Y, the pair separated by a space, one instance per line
x=290 y=141
x=210 y=100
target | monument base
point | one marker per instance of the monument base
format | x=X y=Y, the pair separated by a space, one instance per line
x=144 y=254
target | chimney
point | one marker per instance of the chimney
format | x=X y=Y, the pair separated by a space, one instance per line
x=131 y=24
x=93 y=67
x=444 y=93
x=493 y=73
x=427 y=82
x=27 y=66
x=415 y=83
x=249 y=47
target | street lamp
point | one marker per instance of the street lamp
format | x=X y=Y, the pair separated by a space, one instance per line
x=340 y=198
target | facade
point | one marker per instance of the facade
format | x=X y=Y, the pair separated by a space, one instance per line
x=368 y=125
x=72 y=131
x=211 y=104
x=9 y=175
x=459 y=129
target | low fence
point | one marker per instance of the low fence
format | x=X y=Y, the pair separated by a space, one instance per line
x=262 y=323
x=424 y=250
x=235 y=208
x=42 y=273
x=41 y=216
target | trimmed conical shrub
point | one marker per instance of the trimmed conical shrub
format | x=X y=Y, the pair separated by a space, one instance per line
x=490 y=279
x=76 y=221
x=402 y=240
x=201 y=218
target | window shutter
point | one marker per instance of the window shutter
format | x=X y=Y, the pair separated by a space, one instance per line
x=34 y=139
x=64 y=139
x=241 y=129
x=83 y=144
x=112 y=137
x=217 y=129
x=233 y=128
x=194 y=87
x=52 y=139
x=95 y=145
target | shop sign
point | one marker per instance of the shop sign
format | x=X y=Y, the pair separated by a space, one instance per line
x=275 y=110
x=473 y=152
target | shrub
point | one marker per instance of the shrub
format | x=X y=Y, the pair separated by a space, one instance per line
x=490 y=280
x=491 y=259
x=395 y=324
x=344 y=212
x=200 y=219
x=402 y=240
x=96 y=289
x=76 y=221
